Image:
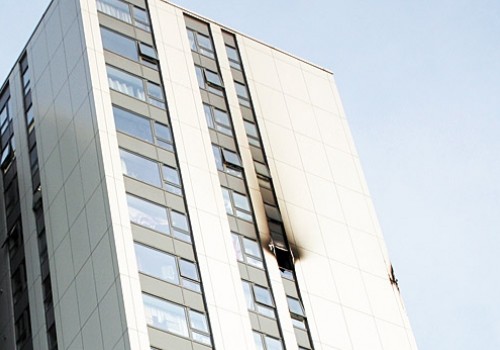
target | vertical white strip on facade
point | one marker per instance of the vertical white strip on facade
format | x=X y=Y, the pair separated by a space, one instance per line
x=341 y=264
x=255 y=195
x=219 y=270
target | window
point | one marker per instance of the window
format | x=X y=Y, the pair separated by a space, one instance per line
x=189 y=275
x=148 y=214
x=134 y=86
x=119 y=44
x=125 y=12
x=247 y=251
x=140 y=168
x=5 y=117
x=157 y=264
x=173 y=318
x=158 y=218
x=264 y=342
x=200 y=43
x=227 y=161
x=234 y=57
x=163 y=136
x=297 y=312
x=140 y=127
x=242 y=92
x=237 y=204
x=133 y=124
x=167 y=267
x=208 y=80
x=218 y=119
x=252 y=133
x=259 y=299
x=171 y=180
x=129 y=48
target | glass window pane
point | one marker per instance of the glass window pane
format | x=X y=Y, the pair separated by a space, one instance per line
x=237 y=247
x=208 y=115
x=140 y=168
x=147 y=50
x=241 y=201
x=218 y=157
x=125 y=83
x=148 y=214
x=213 y=77
x=258 y=341
x=141 y=19
x=273 y=344
x=132 y=124
x=171 y=175
x=155 y=91
x=263 y=295
x=115 y=8
x=295 y=306
x=188 y=269
x=231 y=157
x=241 y=90
x=204 y=339
x=221 y=117
x=247 y=290
x=251 y=247
x=165 y=315
x=200 y=77
x=232 y=53
x=163 y=132
x=227 y=201
x=198 y=321
x=251 y=129
x=119 y=44
x=205 y=43
x=192 y=42
x=157 y=264
x=179 y=220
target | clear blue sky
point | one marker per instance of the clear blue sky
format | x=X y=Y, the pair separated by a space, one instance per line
x=420 y=83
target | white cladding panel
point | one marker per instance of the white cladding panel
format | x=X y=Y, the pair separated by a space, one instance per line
x=341 y=262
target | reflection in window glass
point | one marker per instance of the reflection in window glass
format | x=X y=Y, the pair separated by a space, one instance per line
x=241 y=201
x=165 y=315
x=295 y=306
x=180 y=226
x=242 y=92
x=252 y=133
x=172 y=180
x=164 y=136
x=227 y=201
x=247 y=290
x=141 y=18
x=217 y=119
x=140 y=168
x=237 y=247
x=198 y=321
x=258 y=341
x=234 y=58
x=132 y=124
x=200 y=43
x=115 y=8
x=148 y=214
x=263 y=295
x=213 y=78
x=188 y=269
x=218 y=157
x=119 y=44
x=157 y=264
x=125 y=83
x=273 y=344
x=155 y=95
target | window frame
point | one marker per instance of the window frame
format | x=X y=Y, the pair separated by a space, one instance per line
x=194 y=41
x=128 y=16
x=205 y=84
x=242 y=255
x=253 y=302
x=237 y=211
x=223 y=162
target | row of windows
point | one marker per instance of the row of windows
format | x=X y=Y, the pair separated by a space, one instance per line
x=125 y=12
x=167 y=267
x=151 y=172
x=176 y=319
x=159 y=218
x=129 y=48
x=136 y=87
x=143 y=128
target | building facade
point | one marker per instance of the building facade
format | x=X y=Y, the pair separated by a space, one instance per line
x=170 y=183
